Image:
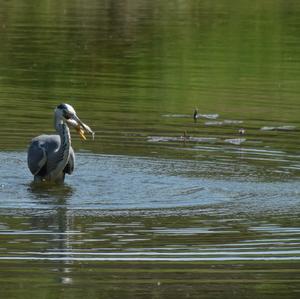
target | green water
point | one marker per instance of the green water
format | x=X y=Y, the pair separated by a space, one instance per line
x=159 y=206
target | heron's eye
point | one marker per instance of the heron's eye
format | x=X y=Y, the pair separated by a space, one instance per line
x=66 y=114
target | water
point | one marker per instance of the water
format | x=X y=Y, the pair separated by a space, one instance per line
x=159 y=205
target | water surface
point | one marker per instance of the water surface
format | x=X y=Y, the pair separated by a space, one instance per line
x=159 y=205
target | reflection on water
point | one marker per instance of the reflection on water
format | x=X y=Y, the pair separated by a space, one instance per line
x=43 y=191
x=122 y=184
x=150 y=223
x=163 y=204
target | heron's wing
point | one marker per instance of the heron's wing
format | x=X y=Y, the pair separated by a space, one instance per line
x=36 y=157
x=71 y=162
x=39 y=150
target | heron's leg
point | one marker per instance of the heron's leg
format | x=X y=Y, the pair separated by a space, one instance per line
x=60 y=179
x=38 y=179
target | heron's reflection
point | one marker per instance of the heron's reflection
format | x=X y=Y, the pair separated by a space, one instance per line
x=56 y=193
x=56 y=219
x=54 y=197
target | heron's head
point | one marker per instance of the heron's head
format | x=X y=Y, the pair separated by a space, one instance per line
x=68 y=114
x=65 y=111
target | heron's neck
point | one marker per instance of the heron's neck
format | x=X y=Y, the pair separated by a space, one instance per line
x=65 y=138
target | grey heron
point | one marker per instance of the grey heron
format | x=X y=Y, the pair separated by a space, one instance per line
x=50 y=157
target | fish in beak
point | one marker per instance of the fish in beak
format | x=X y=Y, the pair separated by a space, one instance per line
x=80 y=132
x=80 y=127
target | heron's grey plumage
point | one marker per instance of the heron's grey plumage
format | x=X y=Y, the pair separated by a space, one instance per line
x=50 y=157
x=43 y=157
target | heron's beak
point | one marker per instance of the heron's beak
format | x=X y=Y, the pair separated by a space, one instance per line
x=82 y=128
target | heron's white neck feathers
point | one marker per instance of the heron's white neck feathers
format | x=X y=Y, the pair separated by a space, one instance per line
x=63 y=152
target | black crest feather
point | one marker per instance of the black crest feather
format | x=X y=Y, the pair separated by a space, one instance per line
x=62 y=106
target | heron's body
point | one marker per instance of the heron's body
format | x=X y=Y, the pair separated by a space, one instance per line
x=50 y=157
x=48 y=161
